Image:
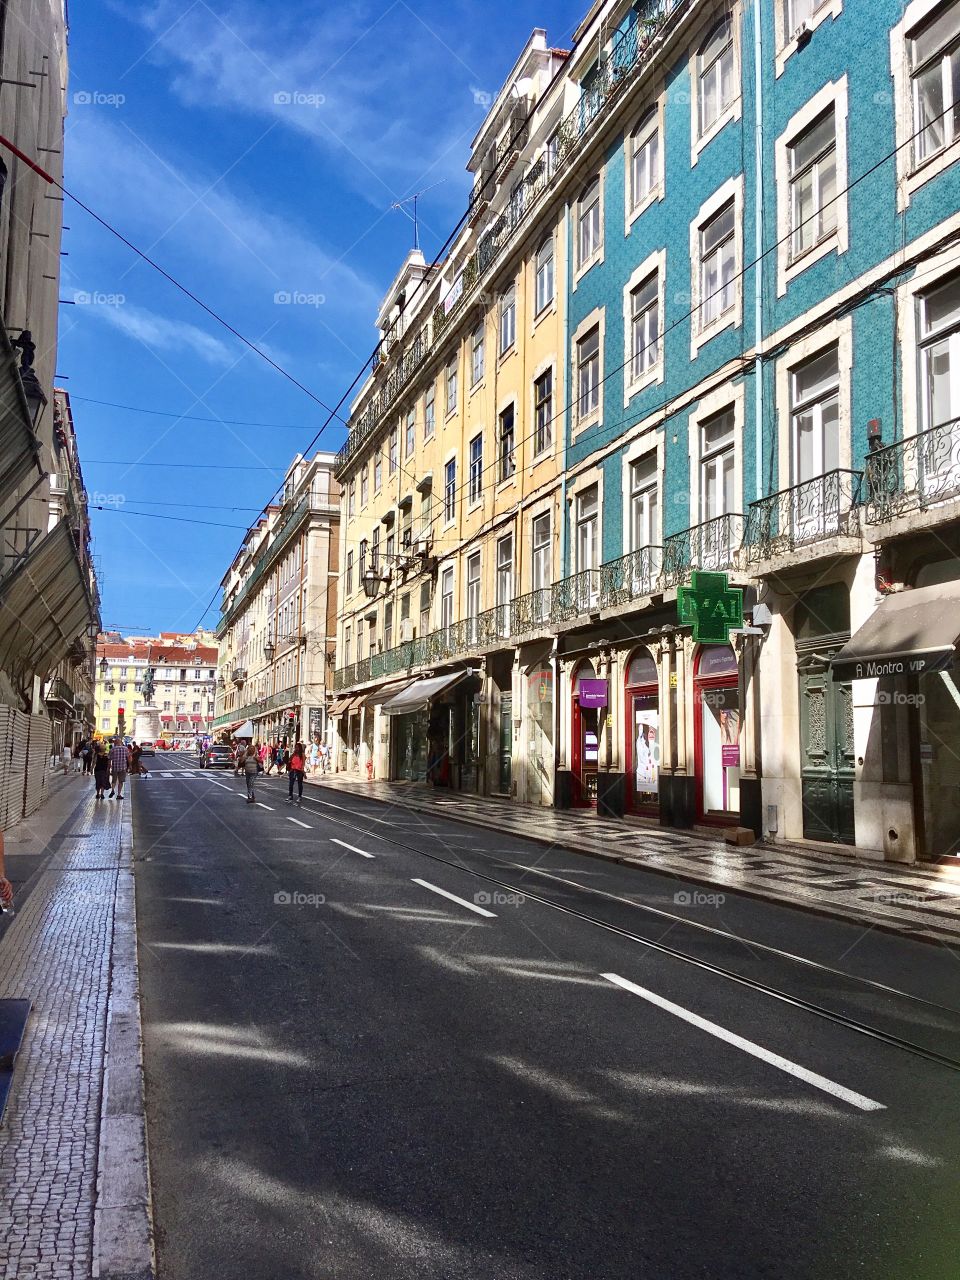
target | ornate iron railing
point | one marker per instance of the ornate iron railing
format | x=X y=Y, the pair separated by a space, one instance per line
x=824 y=507
x=628 y=52
x=59 y=691
x=265 y=562
x=531 y=612
x=633 y=576
x=712 y=545
x=914 y=473
x=575 y=596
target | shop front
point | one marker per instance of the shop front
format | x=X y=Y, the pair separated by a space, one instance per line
x=716 y=729
x=425 y=738
x=588 y=714
x=642 y=719
x=540 y=731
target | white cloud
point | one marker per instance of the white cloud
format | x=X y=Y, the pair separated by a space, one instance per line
x=160 y=334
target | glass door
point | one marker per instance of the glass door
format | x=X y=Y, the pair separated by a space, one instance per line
x=815 y=403
x=716 y=492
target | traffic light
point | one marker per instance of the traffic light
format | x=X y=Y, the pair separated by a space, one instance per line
x=120 y=713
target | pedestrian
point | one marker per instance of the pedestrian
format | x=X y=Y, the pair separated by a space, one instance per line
x=314 y=758
x=249 y=766
x=324 y=757
x=295 y=768
x=283 y=757
x=87 y=752
x=118 y=768
x=77 y=759
x=101 y=771
x=136 y=761
x=66 y=756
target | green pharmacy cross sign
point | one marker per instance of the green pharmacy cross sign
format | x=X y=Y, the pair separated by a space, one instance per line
x=713 y=608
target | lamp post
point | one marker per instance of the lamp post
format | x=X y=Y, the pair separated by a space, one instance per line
x=32 y=390
x=370 y=583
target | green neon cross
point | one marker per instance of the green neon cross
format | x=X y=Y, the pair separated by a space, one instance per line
x=713 y=607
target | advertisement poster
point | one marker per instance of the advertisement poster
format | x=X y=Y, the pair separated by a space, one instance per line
x=646 y=749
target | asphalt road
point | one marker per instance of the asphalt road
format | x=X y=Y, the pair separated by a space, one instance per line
x=557 y=1072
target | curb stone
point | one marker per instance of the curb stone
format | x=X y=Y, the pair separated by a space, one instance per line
x=123 y=1246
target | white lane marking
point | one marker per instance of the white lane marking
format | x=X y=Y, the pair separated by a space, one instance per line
x=167 y=775
x=265 y=806
x=471 y=906
x=300 y=824
x=352 y=847
x=757 y=1051
x=223 y=785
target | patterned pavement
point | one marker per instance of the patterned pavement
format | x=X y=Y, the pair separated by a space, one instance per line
x=58 y=952
x=920 y=901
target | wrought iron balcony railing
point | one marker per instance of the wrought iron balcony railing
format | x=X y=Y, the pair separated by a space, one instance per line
x=629 y=50
x=712 y=545
x=532 y=612
x=59 y=692
x=575 y=596
x=633 y=576
x=913 y=474
x=824 y=507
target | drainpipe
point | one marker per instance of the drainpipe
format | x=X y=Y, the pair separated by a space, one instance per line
x=761 y=262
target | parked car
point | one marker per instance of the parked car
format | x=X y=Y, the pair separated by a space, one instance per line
x=217 y=758
x=146 y=749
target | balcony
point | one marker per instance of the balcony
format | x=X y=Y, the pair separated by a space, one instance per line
x=814 y=512
x=629 y=51
x=575 y=596
x=917 y=474
x=712 y=546
x=59 y=694
x=632 y=577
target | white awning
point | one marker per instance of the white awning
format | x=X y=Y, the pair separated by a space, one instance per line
x=245 y=730
x=908 y=633
x=417 y=696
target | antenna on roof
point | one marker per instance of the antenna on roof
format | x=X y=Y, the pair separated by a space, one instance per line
x=401 y=205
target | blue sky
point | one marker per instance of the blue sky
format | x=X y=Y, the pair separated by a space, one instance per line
x=252 y=149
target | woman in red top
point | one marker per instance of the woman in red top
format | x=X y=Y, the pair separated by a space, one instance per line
x=295 y=772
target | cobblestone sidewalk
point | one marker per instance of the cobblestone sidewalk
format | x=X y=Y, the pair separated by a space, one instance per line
x=922 y=902
x=74 y=1199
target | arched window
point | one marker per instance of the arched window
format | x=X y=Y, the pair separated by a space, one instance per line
x=715 y=73
x=544 y=288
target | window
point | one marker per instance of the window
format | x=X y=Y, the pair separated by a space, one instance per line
x=406 y=529
x=377 y=471
x=815 y=416
x=450 y=490
x=473 y=585
x=588 y=373
x=797 y=12
x=543 y=412
x=552 y=153
x=545 y=280
x=507 y=462
x=717 y=265
x=348 y=576
x=166 y=706
x=347 y=646
x=183 y=673
x=715 y=73
x=375 y=550
x=588 y=224
x=391 y=549
x=410 y=443
x=504 y=582
x=588 y=543
x=934 y=52
x=394 y=448
x=371 y=636
x=446 y=598
x=644 y=523
x=813 y=184
x=644 y=326
x=476 y=355
x=940 y=354
x=451 y=385
x=364 y=487
x=508 y=319
x=388 y=625
x=195 y=706
x=429 y=412
x=644 y=158
x=540 y=564
x=716 y=466
x=352 y=498
x=362 y=566
x=476 y=468
x=424 y=608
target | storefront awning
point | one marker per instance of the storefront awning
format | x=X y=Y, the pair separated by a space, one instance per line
x=416 y=696
x=244 y=730
x=166 y=719
x=196 y=719
x=386 y=693
x=344 y=705
x=909 y=633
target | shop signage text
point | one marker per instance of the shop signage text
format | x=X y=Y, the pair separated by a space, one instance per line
x=593 y=693
x=876 y=668
x=711 y=606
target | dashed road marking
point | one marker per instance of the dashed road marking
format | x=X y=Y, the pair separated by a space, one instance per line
x=352 y=847
x=445 y=893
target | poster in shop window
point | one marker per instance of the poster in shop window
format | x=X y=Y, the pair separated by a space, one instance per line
x=646 y=751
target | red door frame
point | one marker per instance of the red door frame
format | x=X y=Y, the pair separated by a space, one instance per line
x=701 y=685
x=630 y=692
x=576 y=746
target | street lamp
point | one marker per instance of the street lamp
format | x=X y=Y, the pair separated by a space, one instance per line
x=32 y=389
x=370 y=583
x=269 y=649
x=103 y=668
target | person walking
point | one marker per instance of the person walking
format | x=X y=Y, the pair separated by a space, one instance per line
x=101 y=771
x=324 y=757
x=249 y=765
x=87 y=751
x=118 y=768
x=295 y=771
x=66 y=756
